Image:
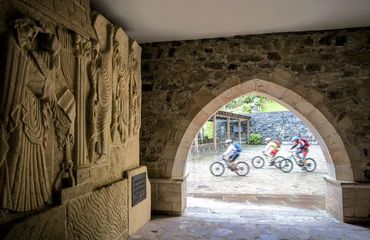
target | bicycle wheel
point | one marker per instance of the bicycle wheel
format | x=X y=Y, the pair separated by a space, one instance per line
x=277 y=161
x=310 y=165
x=286 y=165
x=242 y=168
x=217 y=169
x=258 y=162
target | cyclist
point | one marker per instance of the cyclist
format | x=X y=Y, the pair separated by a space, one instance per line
x=232 y=152
x=301 y=147
x=271 y=149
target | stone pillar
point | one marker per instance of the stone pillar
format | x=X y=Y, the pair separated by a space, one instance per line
x=214 y=133
x=82 y=52
x=348 y=201
x=168 y=195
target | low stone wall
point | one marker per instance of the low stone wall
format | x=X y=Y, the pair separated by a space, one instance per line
x=168 y=195
x=348 y=201
x=281 y=125
x=101 y=214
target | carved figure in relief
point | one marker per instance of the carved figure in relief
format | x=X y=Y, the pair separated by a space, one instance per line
x=121 y=79
x=28 y=108
x=100 y=77
x=135 y=93
x=92 y=103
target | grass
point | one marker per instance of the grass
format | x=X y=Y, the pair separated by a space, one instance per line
x=272 y=106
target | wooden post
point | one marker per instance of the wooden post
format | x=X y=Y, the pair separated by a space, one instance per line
x=196 y=143
x=214 y=133
x=228 y=128
x=240 y=131
x=248 y=130
x=202 y=134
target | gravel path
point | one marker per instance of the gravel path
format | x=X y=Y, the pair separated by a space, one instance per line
x=267 y=180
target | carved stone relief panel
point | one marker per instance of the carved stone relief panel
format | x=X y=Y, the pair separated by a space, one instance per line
x=101 y=92
x=37 y=117
x=72 y=14
x=67 y=103
x=44 y=225
x=121 y=82
x=82 y=52
x=102 y=214
x=135 y=87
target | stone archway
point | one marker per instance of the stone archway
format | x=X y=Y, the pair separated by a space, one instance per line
x=323 y=82
x=309 y=108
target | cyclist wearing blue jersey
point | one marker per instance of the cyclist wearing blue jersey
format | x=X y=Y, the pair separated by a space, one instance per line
x=232 y=152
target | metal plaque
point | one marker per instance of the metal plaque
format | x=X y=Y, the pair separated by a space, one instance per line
x=138 y=190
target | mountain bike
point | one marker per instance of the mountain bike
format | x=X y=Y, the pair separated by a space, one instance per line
x=218 y=168
x=259 y=161
x=286 y=165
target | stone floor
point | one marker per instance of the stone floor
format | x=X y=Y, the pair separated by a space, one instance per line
x=267 y=180
x=271 y=201
x=208 y=218
x=266 y=204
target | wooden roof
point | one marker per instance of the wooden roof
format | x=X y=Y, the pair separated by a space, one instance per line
x=226 y=115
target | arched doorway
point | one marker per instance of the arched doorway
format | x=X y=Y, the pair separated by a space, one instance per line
x=309 y=108
x=169 y=193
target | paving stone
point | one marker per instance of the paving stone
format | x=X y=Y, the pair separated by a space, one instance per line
x=222 y=232
x=251 y=222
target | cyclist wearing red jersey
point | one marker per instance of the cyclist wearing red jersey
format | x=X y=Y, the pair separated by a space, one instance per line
x=301 y=147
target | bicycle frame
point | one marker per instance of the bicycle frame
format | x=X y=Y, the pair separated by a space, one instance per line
x=296 y=160
x=269 y=158
x=226 y=161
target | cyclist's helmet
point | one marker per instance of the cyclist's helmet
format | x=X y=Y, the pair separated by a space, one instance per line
x=295 y=139
x=228 y=141
x=277 y=141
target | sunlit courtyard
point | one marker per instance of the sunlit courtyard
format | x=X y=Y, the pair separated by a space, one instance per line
x=267 y=180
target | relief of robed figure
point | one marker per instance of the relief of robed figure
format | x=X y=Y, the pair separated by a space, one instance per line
x=121 y=82
x=101 y=92
x=135 y=88
x=29 y=107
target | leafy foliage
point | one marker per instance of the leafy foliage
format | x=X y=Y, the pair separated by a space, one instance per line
x=255 y=139
x=208 y=130
x=249 y=104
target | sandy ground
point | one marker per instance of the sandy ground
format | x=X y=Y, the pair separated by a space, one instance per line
x=268 y=180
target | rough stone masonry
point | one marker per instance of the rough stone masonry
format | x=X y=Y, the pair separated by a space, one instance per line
x=180 y=78
x=324 y=75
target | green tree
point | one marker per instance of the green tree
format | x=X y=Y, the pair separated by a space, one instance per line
x=246 y=104
x=208 y=130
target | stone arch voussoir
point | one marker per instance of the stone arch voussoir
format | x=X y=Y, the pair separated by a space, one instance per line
x=306 y=103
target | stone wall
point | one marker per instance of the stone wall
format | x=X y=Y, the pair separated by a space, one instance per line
x=180 y=78
x=348 y=201
x=280 y=125
x=70 y=116
x=169 y=196
x=323 y=77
